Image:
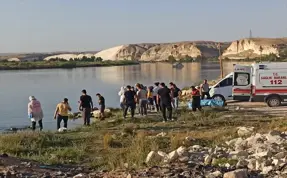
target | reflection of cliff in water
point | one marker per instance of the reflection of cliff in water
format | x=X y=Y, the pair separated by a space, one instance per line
x=148 y=73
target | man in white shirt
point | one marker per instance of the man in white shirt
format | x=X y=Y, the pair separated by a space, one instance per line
x=155 y=91
x=204 y=88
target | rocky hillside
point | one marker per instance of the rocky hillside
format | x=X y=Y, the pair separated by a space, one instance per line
x=180 y=50
x=155 y=51
x=255 y=47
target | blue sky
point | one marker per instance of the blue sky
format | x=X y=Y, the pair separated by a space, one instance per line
x=79 y=25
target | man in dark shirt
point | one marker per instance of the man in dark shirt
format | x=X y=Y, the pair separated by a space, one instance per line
x=163 y=95
x=129 y=101
x=86 y=106
x=102 y=105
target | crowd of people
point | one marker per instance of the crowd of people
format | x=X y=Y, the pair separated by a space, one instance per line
x=158 y=98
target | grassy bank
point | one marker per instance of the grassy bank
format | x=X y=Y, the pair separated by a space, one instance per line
x=117 y=143
x=4 y=65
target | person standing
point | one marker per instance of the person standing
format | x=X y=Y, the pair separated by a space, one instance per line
x=204 y=88
x=62 y=113
x=122 y=97
x=150 y=98
x=155 y=91
x=130 y=97
x=142 y=99
x=86 y=105
x=195 y=99
x=102 y=106
x=175 y=92
x=164 y=99
x=35 y=112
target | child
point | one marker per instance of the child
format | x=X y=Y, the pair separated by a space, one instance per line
x=150 y=98
x=102 y=106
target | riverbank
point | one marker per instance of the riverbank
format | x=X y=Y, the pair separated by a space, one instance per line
x=60 y=64
x=123 y=145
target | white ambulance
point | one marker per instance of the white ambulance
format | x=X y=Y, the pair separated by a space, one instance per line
x=259 y=82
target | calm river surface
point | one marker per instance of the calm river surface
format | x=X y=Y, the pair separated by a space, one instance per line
x=50 y=86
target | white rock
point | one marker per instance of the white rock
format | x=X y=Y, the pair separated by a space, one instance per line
x=227 y=165
x=265 y=154
x=62 y=129
x=153 y=156
x=162 y=154
x=239 y=173
x=243 y=131
x=181 y=151
x=258 y=165
x=172 y=156
x=207 y=159
x=196 y=147
x=183 y=159
x=215 y=174
x=162 y=134
x=252 y=164
x=241 y=164
x=267 y=169
x=281 y=155
x=78 y=175
x=129 y=176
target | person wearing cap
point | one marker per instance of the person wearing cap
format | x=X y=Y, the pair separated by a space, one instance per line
x=195 y=94
x=164 y=99
x=155 y=91
x=86 y=106
x=102 y=106
x=35 y=112
x=62 y=113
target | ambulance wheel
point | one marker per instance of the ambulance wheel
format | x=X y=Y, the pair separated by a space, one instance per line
x=218 y=98
x=273 y=101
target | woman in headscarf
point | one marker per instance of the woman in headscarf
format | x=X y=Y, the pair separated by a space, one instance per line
x=122 y=97
x=35 y=112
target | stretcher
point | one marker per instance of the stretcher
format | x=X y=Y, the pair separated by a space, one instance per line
x=208 y=102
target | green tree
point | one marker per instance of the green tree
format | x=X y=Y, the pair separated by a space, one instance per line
x=93 y=58
x=99 y=59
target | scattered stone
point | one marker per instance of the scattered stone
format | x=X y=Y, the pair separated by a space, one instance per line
x=244 y=131
x=153 y=156
x=239 y=173
x=208 y=159
x=252 y=164
x=184 y=159
x=267 y=169
x=78 y=175
x=215 y=174
x=162 y=134
x=281 y=155
x=241 y=164
x=181 y=151
x=173 y=155
x=129 y=176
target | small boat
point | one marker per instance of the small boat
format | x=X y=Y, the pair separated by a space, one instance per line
x=177 y=65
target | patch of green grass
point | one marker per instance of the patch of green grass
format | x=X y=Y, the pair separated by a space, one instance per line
x=111 y=143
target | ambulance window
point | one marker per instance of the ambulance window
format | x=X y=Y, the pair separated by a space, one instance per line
x=241 y=79
x=226 y=82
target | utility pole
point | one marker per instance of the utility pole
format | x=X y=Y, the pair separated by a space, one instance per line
x=220 y=60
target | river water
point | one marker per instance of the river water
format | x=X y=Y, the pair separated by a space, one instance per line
x=50 y=86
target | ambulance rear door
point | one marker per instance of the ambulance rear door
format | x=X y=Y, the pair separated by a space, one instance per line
x=241 y=89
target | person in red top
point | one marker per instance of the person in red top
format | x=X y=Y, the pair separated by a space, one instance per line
x=195 y=98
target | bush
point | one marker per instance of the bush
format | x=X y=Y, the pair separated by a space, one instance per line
x=171 y=59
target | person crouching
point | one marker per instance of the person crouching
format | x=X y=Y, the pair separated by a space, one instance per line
x=62 y=113
x=35 y=112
